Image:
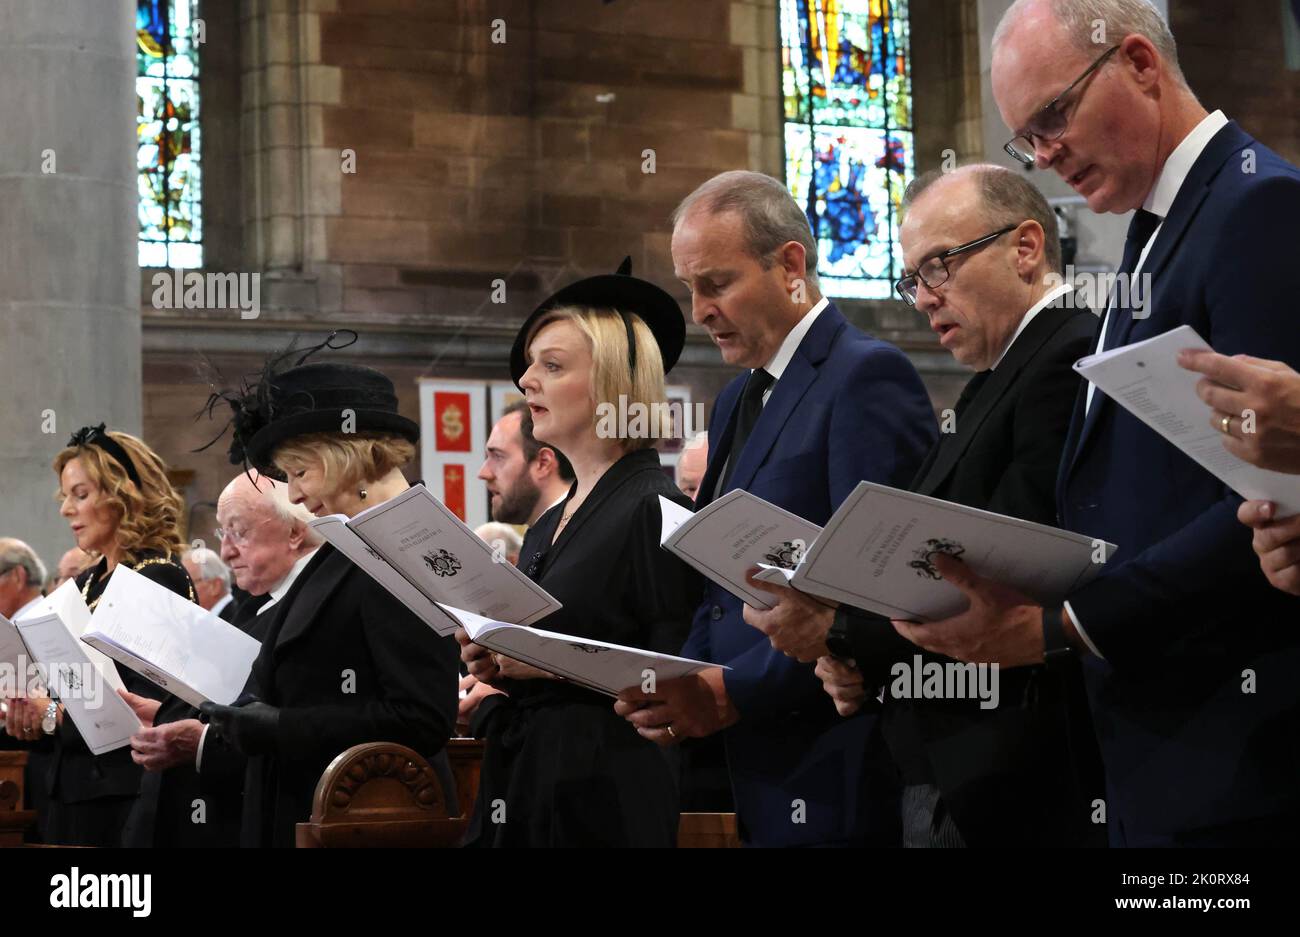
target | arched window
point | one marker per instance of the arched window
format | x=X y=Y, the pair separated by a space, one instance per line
x=168 y=170
x=847 y=85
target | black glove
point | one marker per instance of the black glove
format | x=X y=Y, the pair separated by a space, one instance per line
x=250 y=728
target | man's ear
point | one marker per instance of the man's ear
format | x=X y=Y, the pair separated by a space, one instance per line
x=297 y=534
x=545 y=465
x=794 y=260
x=1031 y=244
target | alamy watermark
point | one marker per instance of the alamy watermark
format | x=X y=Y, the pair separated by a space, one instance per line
x=656 y=420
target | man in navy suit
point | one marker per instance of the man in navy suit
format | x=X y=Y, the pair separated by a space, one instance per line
x=822 y=407
x=1189 y=655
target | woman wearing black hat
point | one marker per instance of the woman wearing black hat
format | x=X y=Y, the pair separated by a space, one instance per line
x=114 y=492
x=560 y=767
x=342 y=662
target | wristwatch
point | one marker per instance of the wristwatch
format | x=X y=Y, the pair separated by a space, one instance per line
x=50 y=721
x=837 y=638
x=1055 y=644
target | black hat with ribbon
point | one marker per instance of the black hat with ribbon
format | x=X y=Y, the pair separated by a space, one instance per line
x=625 y=294
x=321 y=397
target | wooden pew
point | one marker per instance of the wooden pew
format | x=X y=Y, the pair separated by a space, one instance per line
x=14 y=820
x=384 y=794
x=707 y=831
x=380 y=794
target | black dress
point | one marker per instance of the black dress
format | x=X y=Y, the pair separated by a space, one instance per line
x=346 y=663
x=561 y=768
x=90 y=796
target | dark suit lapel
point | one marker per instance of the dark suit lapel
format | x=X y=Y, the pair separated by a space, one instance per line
x=314 y=586
x=719 y=451
x=799 y=375
x=952 y=446
x=1224 y=145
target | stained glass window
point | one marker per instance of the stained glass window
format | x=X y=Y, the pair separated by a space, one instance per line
x=168 y=173
x=847 y=85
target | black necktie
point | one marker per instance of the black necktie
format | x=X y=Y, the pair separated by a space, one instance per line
x=751 y=407
x=1140 y=229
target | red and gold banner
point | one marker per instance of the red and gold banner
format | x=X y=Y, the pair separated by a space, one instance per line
x=451 y=421
x=453 y=488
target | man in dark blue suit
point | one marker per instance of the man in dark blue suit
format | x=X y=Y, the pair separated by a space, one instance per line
x=1189 y=655
x=823 y=407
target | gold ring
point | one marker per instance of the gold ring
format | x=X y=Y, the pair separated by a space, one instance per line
x=1225 y=425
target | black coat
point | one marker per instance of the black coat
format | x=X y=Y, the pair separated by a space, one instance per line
x=1027 y=771
x=346 y=663
x=90 y=796
x=564 y=767
x=166 y=813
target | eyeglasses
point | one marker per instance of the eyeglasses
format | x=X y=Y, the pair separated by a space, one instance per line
x=238 y=537
x=1050 y=122
x=934 y=271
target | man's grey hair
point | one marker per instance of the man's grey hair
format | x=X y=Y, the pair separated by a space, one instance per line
x=769 y=213
x=1081 y=20
x=209 y=565
x=698 y=441
x=295 y=515
x=493 y=531
x=1007 y=198
x=15 y=553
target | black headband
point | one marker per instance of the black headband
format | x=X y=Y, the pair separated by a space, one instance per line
x=631 y=344
x=96 y=436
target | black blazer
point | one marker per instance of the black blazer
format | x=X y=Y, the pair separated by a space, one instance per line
x=570 y=771
x=1025 y=772
x=165 y=814
x=86 y=792
x=346 y=663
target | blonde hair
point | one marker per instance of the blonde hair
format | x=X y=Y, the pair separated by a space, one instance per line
x=607 y=341
x=149 y=516
x=346 y=459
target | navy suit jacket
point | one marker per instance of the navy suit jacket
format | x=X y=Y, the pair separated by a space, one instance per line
x=1197 y=703
x=848 y=407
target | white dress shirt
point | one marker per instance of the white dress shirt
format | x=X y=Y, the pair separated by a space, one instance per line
x=222 y=603
x=1050 y=297
x=1159 y=200
x=777 y=364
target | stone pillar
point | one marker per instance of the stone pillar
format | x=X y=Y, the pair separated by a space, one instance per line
x=69 y=282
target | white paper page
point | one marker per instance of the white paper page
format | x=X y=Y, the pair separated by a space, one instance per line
x=434 y=550
x=736 y=533
x=1146 y=380
x=671 y=516
x=169 y=682
x=597 y=665
x=874 y=554
x=14 y=659
x=67 y=603
x=188 y=650
x=335 y=530
x=102 y=717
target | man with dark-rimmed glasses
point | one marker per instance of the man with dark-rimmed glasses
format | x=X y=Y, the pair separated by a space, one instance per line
x=1189 y=656
x=1026 y=772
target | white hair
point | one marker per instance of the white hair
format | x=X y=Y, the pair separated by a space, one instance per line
x=496 y=531
x=16 y=553
x=698 y=441
x=209 y=565
x=1119 y=18
x=295 y=515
